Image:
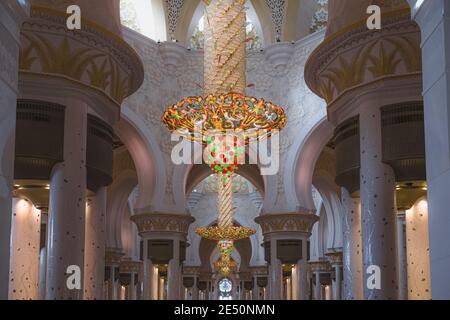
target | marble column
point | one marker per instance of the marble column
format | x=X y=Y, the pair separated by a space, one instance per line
x=131 y=268
x=337 y=284
x=302 y=270
x=295 y=278
x=113 y=257
x=335 y=259
x=112 y=285
x=195 y=295
x=255 y=289
x=275 y=273
x=161 y=288
x=326 y=294
x=174 y=273
x=352 y=253
x=317 y=287
x=338 y=290
x=433 y=18
x=286 y=226
x=300 y=280
x=42 y=272
x=154 y=282
x=168 y=227
x=122 y=292
x=43 y=254
x=288 y=293
x=25 y=249
x=402 y=264
x=378 y=209
x=133 y=294
x=66 y=219
x=95 y=239
x=238 y=291
x=418 y=259
x=11 y=16
x=318 y=268
x=150 y=275
x=148 y=270
x=208 y=292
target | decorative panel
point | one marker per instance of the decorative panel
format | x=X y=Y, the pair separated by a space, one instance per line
x=39 y=139
x=348 y=162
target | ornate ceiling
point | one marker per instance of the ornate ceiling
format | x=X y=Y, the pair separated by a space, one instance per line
x=274 y=20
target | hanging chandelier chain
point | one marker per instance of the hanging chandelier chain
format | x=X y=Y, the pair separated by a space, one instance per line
x=225 y=47
x=225 y=202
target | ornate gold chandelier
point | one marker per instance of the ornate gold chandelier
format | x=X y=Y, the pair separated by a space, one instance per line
x=194 y=117
x=225 y=120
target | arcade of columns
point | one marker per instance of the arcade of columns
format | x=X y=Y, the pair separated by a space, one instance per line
x=59 y=190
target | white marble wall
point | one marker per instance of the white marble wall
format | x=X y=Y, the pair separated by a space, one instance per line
x=418 y=254
x=25 y=250
x=282 y=82
x=160 y=89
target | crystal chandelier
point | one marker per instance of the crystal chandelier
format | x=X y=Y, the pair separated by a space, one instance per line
x=224 y=121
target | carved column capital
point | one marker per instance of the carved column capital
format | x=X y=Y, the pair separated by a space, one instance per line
x=287 y=222
x=320 y=266
x=130 y=266
x=259 y=271
x=334 y=257
x=113 y=256
x=162 y=222
x=190 y=270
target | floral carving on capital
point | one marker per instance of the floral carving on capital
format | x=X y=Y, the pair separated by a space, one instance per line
x=130 y=266
x=162 y=222
x=287 y=222
x=320 y=266
x=91 y=56
x=113 y=256
x=356 y=56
